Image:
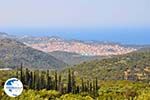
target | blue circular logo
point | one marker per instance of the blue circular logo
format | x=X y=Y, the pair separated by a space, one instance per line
x=13 y=87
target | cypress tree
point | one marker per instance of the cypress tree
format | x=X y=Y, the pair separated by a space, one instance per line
x=90 y=89
x=60 y=84
x=38 y=80
x=49 y=83
x=82 y=87
x=62 y=88
x=85 y=87
x=48 y=80
x=73 y=83
x=17 y=74
x=56 y=87
x=34 y=80
x=27 y=77
x=88 y=86
x=21 y=73
x=31 y=80
x=41 y=80
x=94 y=89
x=96 y=84
x=77 y=89
x=69 y=89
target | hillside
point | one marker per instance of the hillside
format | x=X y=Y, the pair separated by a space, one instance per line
x=13 y=53
x=36 y=40
x=86 y=48
x=73 y=58
x=134 y=65
x=5 y=35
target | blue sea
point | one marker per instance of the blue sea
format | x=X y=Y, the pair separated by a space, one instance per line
x=120 y=35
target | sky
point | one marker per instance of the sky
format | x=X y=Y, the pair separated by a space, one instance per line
x=125 y=21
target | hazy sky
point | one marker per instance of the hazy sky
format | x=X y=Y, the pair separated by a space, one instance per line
x=75 y=16
x=74 y=13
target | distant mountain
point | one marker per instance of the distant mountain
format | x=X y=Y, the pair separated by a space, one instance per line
x=36 y=40
x=2 y=34
x=5 y=35
x=134 y=66
x=73 y=58
x=13 y=53
x=138 y=47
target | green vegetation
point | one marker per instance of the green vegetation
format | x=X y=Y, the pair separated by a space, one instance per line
x=114 y=68
x=109 y=90
x=50 y=85
x=73 y=58
x=123 y=77
x=12 y=53
x=39 y=80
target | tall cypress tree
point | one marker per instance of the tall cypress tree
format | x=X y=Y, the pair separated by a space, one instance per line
x=96 y=84
x=34 y=80
x=48 y=80
x=27 y=79
x=62 y=88
x=17 y=74
x=49 y=83
x=88 y=86
x=69 y=89
x=73 y=83
x=90 y=89
x=82 y=87
x=56 y=87
x=94 y=89
x=31 y=80
x=77 y=89
x=59 y=84
x=21 y=73
x=42 y=80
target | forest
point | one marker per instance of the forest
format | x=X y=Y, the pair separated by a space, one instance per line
x=51 y=85
x=119 y=78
